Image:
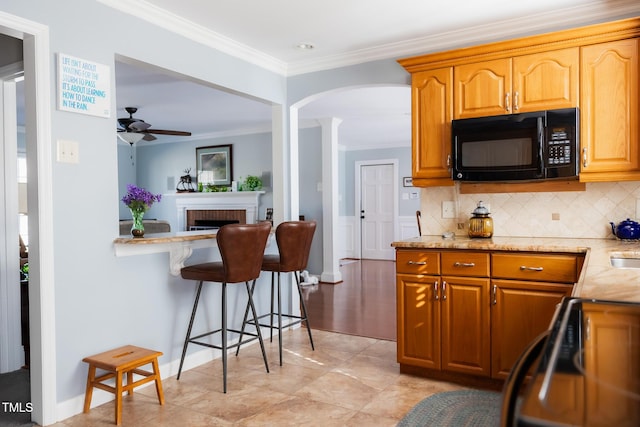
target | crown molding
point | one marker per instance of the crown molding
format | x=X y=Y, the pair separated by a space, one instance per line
x=570 y=17
x=566 y=18
x=176 y=24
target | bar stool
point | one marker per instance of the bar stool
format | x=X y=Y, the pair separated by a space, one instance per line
x=294 y=243
x=241 y=248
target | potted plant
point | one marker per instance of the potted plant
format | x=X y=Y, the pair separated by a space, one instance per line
x=251 y=183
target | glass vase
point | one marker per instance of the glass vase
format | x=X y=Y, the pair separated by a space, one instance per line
x=137 y=229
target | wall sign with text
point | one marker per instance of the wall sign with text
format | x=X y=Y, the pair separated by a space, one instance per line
x=84 y=86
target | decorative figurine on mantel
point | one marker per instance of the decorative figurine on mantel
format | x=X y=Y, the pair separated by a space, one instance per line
x=186 y=183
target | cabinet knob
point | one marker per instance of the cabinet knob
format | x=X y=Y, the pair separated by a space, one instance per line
x=507 y=104
x=494 y=297
x=516 y=101
x=417 y=262
x=584 y=157
x=444 y=290
x=435 y=291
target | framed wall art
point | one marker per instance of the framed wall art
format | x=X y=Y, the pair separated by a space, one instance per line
x=214 y=165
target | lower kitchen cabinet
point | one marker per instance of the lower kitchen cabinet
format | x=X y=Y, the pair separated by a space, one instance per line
x=454 y=316
x=444 y=323
x=520 y=311
x=465 y=325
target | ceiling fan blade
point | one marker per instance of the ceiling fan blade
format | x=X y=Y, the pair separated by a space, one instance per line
x=149 y=137
x=168 y=132
x=138 y=126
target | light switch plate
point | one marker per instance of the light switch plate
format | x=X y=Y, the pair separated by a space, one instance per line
x=67 y=151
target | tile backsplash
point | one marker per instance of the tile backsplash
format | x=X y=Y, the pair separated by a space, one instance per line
x=579 y=214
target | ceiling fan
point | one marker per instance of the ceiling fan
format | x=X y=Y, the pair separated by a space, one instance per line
x=133 y=130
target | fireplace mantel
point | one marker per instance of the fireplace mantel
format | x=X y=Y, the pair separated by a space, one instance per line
x=240 y=200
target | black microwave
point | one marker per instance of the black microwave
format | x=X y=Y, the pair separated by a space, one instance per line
x=516 y=147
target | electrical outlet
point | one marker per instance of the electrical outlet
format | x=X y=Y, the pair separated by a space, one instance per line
x=448 y=209
x=555 y=217
x=461 y=226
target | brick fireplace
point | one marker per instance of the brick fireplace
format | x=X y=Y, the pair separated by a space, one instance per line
x=205 y=210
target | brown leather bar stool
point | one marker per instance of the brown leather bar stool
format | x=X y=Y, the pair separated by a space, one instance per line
x=241 y=248
x=294 y=243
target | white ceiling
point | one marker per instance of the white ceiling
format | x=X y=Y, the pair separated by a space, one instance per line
x=343 y=32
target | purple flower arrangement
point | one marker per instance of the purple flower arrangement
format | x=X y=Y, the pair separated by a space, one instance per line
x=138 y=199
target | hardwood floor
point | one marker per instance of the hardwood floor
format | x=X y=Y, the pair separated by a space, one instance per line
x=363 y=304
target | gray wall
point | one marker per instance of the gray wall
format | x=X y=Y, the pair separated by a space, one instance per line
x=101 y=301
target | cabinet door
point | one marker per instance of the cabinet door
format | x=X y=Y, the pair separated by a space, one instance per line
x=465 y=325
x=546 y=81
x=418 y=311
x=520 y=311
x=431 y=142
x=609 y=111
x=482 y=89
x=616 y=402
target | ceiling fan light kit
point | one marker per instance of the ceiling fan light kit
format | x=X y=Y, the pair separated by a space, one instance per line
x=130 y=137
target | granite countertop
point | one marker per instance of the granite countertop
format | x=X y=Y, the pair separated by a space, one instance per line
x=598 y=279
x=173 y=237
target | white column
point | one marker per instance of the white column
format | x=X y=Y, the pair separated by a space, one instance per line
x=331 y=263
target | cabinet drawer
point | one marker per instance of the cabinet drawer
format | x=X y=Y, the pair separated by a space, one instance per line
x=463 y=263
x=417 y=262
x=527 y=266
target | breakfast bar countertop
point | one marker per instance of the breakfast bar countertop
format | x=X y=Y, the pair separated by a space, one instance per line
x=598 y=278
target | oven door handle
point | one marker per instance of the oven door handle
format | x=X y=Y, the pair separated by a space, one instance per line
x=516 y=377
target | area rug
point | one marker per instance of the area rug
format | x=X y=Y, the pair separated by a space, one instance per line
x=459 y=408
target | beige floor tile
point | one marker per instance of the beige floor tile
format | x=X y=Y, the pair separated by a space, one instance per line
x=300 y=412
x=346 y=381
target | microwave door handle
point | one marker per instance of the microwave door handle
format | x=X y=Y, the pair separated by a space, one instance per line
x=541 y=147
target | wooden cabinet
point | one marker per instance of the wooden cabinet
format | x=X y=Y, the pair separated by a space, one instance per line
x=609 y=111
x=604 y=330
x=525 y=287
x=594 y=68
x=465 y=325
x=541 y=81
x=520 y=311
x=431 y=127
x=443 y=321
x=473 y=312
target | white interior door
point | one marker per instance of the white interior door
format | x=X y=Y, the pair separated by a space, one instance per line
x=11 y=355
x=378 y=203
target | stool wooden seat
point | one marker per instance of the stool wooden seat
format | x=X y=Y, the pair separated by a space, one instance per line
x=118 y=362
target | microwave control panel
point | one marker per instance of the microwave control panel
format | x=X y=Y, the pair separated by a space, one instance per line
x=559 y=146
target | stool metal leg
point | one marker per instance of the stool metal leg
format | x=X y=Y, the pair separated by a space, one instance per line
x=245 y=319
x=224 y=336
x=304 y=308
x=188 y=337
x=271 y=312
x=279 y=319
x=255 y=318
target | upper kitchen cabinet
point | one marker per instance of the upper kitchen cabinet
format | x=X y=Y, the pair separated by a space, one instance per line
x=609 y=111
x=594 y=68
x=541 y=81
x=432 y=93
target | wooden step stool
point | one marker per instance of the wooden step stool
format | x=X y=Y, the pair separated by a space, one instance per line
x=117 y=362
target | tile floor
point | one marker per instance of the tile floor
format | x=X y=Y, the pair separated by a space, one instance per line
x=347 y=381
